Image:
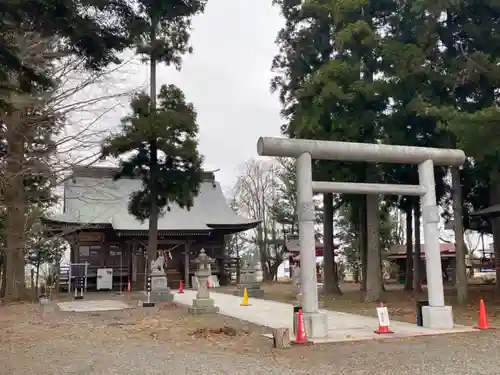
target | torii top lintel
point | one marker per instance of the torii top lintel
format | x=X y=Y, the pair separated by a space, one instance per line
x=362 y=152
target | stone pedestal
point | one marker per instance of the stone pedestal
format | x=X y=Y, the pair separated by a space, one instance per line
x=437 y=317
x=159 y=288
x=203 y=306
x=316 y=325
x=253 y=290
x=248 y=280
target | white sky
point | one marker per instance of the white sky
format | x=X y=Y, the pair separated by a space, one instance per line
x=227 y=78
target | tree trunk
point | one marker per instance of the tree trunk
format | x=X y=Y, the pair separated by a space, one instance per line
x=57 y=281
x=409 y=250
x=363 y=243
x=417 y=255
x=460 y=267
x=495 y=225
x=331 y=285
x=32 y=278
x=381 y=267
x=37 y=275
x=373 y=276
x=153 y=219
x=3 y=281
x=15 y=218
x=262 y=248
x=281 y=338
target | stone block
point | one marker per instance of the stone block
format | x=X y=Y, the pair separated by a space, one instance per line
x=203 y=306
x=316 y=325
x=159 y=283
x=252 y=290
x=437 y=317
x=162 y=296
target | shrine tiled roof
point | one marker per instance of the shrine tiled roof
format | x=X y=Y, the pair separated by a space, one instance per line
x=100 y=200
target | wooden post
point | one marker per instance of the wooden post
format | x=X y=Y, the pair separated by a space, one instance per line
x=281 y=338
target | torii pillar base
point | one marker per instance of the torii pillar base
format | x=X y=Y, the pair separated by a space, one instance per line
x=437 y=317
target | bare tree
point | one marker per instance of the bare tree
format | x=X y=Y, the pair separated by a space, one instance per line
x=39 y=146
x=255 y=197
x=20 y=130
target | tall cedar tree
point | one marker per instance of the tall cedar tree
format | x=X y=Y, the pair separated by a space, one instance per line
x=468 y=35
x=303 y=50
x=165 y=140
x=409 y=57
x=327 y=63
x=162 y=36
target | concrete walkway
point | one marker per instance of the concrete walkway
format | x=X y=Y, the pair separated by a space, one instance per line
x=92 y=305
x=341 y=326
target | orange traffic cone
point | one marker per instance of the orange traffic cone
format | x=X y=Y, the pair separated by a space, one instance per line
x=129 y=287
x=483 y=316
x=301 y=337
x=181 y=287
x=383 y=320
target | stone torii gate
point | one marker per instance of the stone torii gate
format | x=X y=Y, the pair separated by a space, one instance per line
x=436 y=315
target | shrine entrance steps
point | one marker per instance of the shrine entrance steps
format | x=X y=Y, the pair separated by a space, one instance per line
x=341 y=326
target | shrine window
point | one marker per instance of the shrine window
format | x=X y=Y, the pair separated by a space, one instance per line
x=89 y=252
x=115 y=251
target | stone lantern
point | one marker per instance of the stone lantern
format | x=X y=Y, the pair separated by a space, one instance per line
x=203 y=304
x=248 y=281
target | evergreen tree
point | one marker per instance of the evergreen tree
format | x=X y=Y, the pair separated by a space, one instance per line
x=470 y=76
x=164 y=140
x=82 y=26
x=161 y=35
x=409 y=56
x=328 y=86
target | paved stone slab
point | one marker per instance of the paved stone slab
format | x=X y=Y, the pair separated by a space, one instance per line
x=89 y=306
x=341 y=326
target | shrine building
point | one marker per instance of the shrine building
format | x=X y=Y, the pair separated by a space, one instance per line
x=109 y=245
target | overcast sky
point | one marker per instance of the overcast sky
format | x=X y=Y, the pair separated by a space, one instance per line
x=227 y=78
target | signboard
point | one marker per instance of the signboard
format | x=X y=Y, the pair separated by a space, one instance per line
x=383 y=316
x=90 y=237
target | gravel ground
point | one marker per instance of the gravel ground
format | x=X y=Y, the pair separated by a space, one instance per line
x=474 y=355
x=166 y=341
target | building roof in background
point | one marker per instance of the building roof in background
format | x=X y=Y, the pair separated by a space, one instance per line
x=399 y=251
x=92 y=197
x=292 y=245
x=444 y=247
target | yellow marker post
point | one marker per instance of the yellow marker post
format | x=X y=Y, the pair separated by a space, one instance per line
x=245 y=298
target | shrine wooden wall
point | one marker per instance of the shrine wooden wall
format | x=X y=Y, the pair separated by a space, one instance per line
x=127 y=256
